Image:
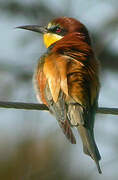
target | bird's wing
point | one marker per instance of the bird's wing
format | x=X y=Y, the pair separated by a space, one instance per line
x=81 y=64
x=55 y=71
x=83 y=88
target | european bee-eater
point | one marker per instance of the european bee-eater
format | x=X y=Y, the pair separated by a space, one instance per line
x=66 y=79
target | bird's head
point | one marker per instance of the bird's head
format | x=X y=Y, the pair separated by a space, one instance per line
x=58 y=28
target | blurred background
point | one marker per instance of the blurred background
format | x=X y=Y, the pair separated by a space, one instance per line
x=32 y=146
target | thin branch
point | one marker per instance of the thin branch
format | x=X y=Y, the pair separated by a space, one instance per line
x=21 y=105
x=104 y=110
x=34 y=106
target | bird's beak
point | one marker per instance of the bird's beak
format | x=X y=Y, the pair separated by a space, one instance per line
x=34 y=28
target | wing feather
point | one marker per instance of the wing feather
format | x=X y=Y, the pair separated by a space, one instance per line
x=55 y=70
x=52 y=75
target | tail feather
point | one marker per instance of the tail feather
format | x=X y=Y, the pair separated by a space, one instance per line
x=65 y=126
x=89 y=145
x=85 y=122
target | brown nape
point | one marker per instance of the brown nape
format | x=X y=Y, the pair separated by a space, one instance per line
x=72 y=25
x=74 y=45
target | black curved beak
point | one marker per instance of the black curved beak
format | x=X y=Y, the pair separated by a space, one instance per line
x=34 y=28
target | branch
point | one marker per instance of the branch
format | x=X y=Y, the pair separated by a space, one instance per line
x=21 y=105
x=34 y=106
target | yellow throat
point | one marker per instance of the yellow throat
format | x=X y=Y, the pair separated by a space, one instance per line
x=50 y=38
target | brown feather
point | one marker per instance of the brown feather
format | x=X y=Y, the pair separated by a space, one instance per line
x=72 y=25
x=73 y=43
x=82 y=68
x=55 y=72
x=67 y=131
x=40 y=84
x=52 y=75
x=61 y=63
x=83 y=88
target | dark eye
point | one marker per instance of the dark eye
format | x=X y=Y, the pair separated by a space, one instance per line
x=58 y=29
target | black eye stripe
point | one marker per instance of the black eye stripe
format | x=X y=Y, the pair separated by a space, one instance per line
x=57 y=30
x=54 y=29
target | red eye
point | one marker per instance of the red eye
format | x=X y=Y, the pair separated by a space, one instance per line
x=58 y=30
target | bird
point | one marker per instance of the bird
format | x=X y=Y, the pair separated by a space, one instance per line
x=66 y=79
